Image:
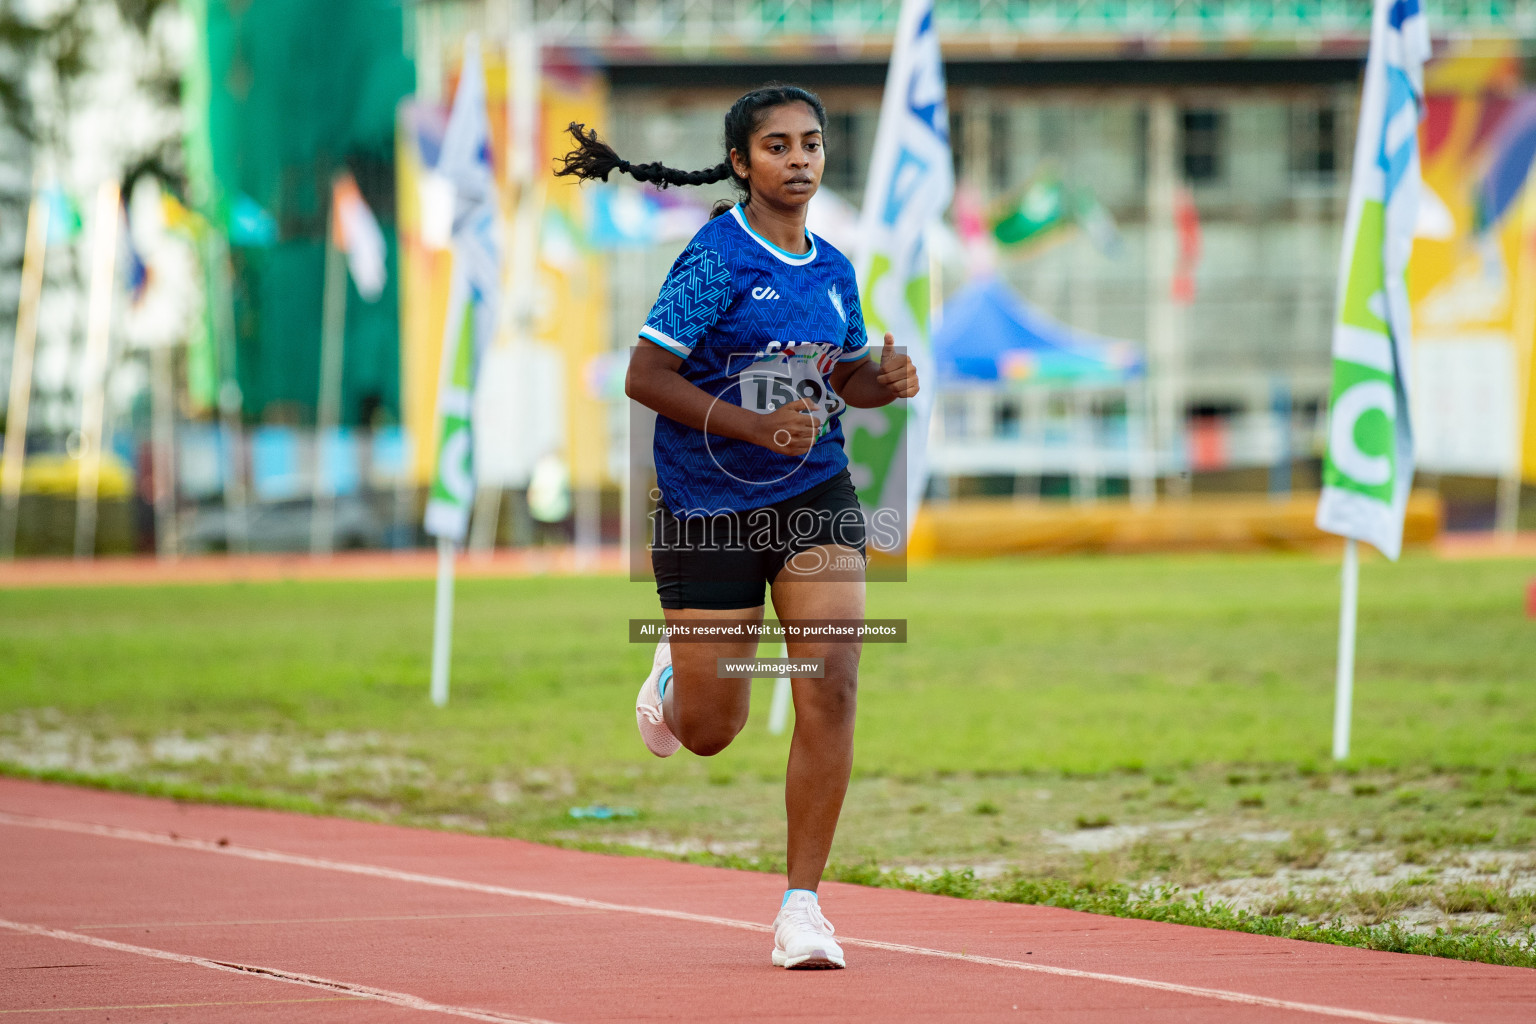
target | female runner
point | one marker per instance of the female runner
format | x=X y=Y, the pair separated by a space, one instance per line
x=753 y=348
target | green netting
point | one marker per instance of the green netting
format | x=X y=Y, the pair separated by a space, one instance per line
x=296 y=91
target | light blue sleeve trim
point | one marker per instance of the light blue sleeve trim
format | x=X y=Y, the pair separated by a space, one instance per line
x=650 y=333
x=855 y=355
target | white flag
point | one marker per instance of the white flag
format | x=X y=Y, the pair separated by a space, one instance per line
x=465 y=163
x=911 y=181
x=1369 y=468
x=356 y=233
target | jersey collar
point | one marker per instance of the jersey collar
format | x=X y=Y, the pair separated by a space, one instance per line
x=793 y=259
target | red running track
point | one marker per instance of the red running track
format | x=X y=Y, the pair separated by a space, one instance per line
x=132 y=909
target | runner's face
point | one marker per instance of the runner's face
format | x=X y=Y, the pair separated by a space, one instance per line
x=787 y=156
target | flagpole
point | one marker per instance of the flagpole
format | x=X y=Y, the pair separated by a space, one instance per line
x=442 y=623
x=454 y=508
x=1344 y=682
x=322 y=518
x=778 y=711
x=935 y=279
x=524 y=58
x=14 y=458
x=98 y=330
x=237 y=533
x=162 y=449
x=1165 y=348
x=1510 y=485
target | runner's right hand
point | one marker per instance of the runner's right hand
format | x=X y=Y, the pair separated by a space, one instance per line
x=791 y=429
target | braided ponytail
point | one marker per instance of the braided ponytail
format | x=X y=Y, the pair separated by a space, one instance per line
x=594 y=159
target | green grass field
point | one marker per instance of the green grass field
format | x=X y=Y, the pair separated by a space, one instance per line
x=1089 y=721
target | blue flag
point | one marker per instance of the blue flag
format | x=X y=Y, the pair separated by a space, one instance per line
x=911 y=182
x=465 y=163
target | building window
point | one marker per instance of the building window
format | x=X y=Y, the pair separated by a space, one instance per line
x=841 y=170
x=957 y=147
x=1000 y=149
x=850 y=141
x=1203 y=140
x=1141 y=137
x=1314 y=143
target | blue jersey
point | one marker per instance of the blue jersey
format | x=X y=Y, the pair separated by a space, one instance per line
x=758 y=327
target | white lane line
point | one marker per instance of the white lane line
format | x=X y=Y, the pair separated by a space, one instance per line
x=373 y=871
x=253 y=922
x=343 y=988
x=181 y=1006
x=1166 y=986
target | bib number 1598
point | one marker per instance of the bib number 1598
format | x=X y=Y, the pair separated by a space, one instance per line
x=766 y=391
x=788 y=377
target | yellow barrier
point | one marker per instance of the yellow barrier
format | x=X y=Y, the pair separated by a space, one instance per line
x=58 y=476
x=978 y=527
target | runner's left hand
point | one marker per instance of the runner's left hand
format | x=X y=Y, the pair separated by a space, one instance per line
x=897 y=373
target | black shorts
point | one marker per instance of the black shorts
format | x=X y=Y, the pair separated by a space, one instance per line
x=726 y=561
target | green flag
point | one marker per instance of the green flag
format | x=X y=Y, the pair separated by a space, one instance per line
x=1369 y=467
x=1039 y=210
x=453 y=485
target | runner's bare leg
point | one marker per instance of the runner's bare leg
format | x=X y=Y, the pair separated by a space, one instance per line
x=821 y=752
x=704 y=711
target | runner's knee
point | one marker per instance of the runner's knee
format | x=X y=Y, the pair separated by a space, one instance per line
x=833 y=699
x=709 y=738
x=715 y=712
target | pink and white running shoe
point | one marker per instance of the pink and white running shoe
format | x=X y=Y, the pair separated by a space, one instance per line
x=653 y=726
x=802 y=936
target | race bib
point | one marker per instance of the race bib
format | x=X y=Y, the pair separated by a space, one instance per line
x=789 y=374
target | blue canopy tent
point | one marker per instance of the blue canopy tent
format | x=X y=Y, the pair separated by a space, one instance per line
x=988 y=335
x=990 y=347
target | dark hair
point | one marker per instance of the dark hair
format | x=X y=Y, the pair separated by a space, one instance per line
x=593 y=158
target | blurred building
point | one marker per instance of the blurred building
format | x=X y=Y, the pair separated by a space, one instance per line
x=1247 y=105
x=1215 y=139
x=89 y=92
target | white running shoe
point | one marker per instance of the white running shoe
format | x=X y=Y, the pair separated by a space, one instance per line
x=653 y=727
x=802 y=937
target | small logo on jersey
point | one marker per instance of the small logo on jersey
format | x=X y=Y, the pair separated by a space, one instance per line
x=837 y=302
x=764 y=293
